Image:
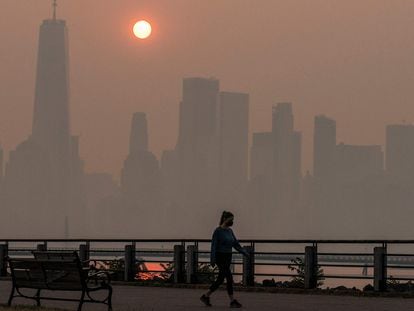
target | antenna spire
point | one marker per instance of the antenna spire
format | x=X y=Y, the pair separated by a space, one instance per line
x=54 y=9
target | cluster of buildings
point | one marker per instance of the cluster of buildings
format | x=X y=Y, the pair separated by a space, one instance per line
x=355 y=190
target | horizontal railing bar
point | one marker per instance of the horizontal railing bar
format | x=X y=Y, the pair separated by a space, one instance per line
x=155 y=271
x=155 y=261
x=401 y=279
x=154 y=251
x=276 y=264
x=280 y=253
x=265 y=241
x=400 y=255
x=232 y=263
x=276 y=274
x=399 y=267
x=138 y=261
x=359 y=277
x=346 y=254
x=105 y=259
x=345 y=265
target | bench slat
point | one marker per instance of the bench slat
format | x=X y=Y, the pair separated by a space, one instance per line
x=28 y=274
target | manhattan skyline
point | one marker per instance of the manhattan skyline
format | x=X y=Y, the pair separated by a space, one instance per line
x=350 y=189
x=354 y=68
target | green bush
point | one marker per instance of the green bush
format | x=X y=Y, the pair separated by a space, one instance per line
x=298 y=266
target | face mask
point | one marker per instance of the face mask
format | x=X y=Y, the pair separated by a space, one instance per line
x=230 y=223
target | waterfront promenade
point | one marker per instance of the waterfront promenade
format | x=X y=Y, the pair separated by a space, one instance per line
x=137 y=298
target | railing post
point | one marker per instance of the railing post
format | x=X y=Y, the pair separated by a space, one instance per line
x=84 y=254
x=248 y=267
x=192 y=263
x=41 y=247
x=380 y=269
x=4 y=249
x=311 y=267
x=130 y=263
x=179 y=261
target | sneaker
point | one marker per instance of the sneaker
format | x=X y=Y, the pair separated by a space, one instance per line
x=235 y=304
x=206 y=300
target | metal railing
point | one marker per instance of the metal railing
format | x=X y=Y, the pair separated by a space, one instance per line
x=268 y=258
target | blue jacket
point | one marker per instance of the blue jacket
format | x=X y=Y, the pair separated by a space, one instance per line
x=223 y=241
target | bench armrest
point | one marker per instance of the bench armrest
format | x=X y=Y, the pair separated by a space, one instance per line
x=103 y=276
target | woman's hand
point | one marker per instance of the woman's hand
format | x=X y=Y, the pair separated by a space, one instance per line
x=245 y=253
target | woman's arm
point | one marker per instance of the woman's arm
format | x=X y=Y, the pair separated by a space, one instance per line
x=237 y=246
x=214 y=242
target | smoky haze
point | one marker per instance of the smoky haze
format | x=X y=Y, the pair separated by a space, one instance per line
x=276 y=110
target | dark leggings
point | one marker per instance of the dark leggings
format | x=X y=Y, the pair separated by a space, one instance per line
x=223 y=261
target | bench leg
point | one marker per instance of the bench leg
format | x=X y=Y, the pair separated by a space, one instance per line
x=38 y=298
x=81 y=301
x=110 y=298
x=11 y=297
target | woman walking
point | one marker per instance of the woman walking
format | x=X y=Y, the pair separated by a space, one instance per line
x=221 y=252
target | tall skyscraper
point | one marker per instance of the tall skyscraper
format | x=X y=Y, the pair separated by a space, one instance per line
x=355 y=193
x=1 y=172
x=234 y=136
x=43 y=178
x=260 y=198
x=197 y=146
x=285 y=144
x=1 y=163
x=324 y=144
x=140 y=177
x=324 y=171
x=296 y=164
x=261 y=156
x=198 y=113
x=138 y=140
x=357 y=162
x=141 y=184
x=170 y=178
x=399 y=150
x=51 y=125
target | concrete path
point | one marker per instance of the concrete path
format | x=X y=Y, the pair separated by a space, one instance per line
x=131 y=298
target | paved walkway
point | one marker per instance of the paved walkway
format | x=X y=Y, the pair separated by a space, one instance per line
x=131 y=298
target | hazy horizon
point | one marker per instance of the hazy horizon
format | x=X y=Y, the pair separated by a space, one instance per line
x=349 y=60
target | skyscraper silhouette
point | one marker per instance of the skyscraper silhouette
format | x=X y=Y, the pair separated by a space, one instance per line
x=261 y=156
x=140 y=177
x=234 y=137
x=51 y=126
x=197 y=146
x=323 y=187
x=296 y=165
x=44 y=174
x=358 y=171
x=260 y=192
x=1 y=162
x=286 y=161
x=324 y=143
x=399 y=149
x=170 y=179
x=354 y=163
x=138 y=140
x=1 y=172
x=140 y=183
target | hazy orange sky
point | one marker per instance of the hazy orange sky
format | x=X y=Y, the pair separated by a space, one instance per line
x=352 y=60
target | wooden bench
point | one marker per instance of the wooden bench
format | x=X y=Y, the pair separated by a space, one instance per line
x=57 y=271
